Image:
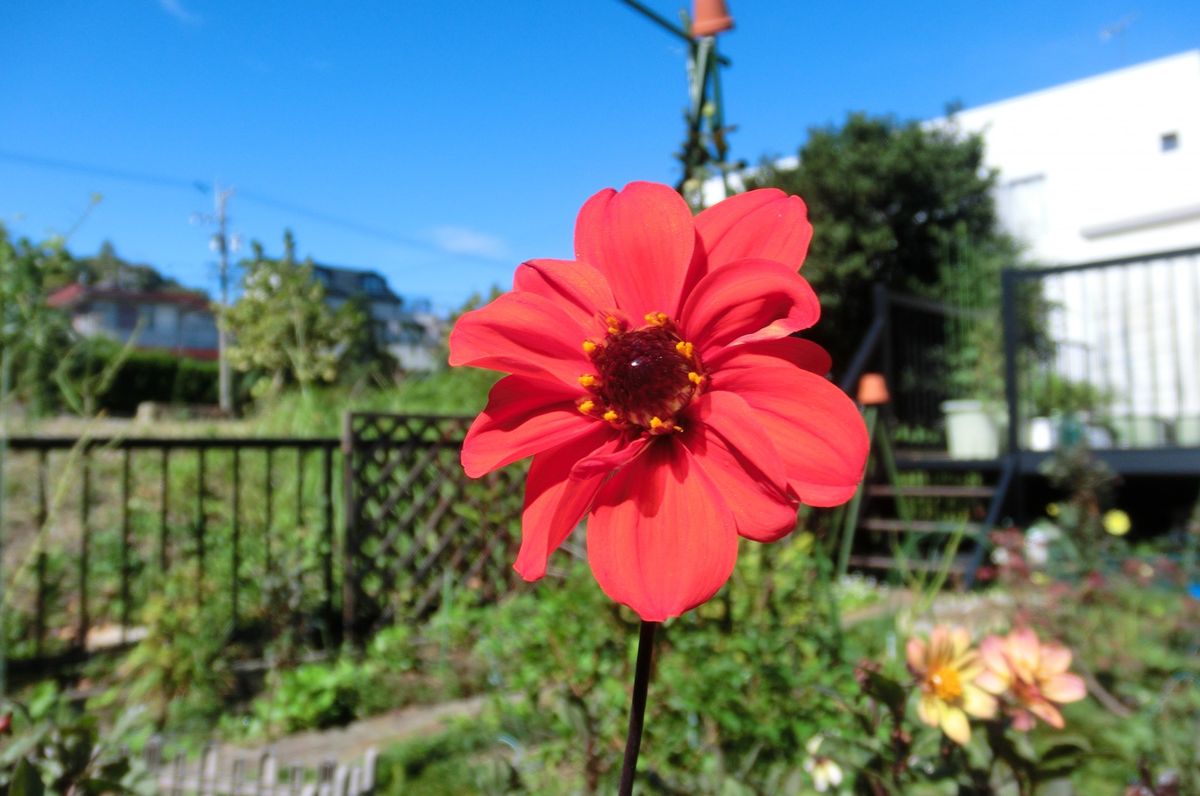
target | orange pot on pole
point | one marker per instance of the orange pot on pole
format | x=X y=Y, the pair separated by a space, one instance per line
x=710 y=17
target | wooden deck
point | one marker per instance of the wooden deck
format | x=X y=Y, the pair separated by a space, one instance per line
x=1167 y=461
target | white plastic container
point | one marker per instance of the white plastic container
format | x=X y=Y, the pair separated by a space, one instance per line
x=973 y=429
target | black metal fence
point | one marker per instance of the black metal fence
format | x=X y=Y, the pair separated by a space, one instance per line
x=1122 y=364
x=97 y=525
x=918 y=344
x=253 y=529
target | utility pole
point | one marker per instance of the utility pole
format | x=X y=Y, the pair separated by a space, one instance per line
x=222 y=245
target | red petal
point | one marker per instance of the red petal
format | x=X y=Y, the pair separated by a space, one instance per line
x=801 y=353
x=815 y=426
x=523 y=416
x=641 y=240
x=554 y=503
x=749 y=300
x=764 y=224
x=521 y=333
x=728 y=443
x=616 y=453
x=576 y=288
x=661 y=539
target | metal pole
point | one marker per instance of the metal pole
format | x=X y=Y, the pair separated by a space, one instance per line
x=1008 y=293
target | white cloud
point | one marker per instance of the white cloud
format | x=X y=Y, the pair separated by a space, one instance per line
x=461 y=240
x=175 y=8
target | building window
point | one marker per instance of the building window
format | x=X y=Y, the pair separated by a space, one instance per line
x=372 y=285
x=1169 y=142
x=127 y=315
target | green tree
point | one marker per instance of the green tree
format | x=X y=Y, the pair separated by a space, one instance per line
x=108 y=266
x=896 y=202
x=367 y=360
x=35 y=336
x=283 y=328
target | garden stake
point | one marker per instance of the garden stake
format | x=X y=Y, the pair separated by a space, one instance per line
x=637 y=710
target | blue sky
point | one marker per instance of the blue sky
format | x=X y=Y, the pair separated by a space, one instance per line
x=458 y=138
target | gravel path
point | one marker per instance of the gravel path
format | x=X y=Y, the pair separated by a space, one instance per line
x=349 y=744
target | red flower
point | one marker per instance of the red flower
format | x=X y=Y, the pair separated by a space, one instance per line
x=654 y=383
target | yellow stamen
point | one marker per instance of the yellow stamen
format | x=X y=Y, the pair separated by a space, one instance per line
x=693 y=377
x=656 y=318
x=685 y=348
x=588 y=347
x=613 y=330
x=656 y=422
x=946 y=683
x=587 y=380
x=611 y=320
x=587 y=406
x=611 y=416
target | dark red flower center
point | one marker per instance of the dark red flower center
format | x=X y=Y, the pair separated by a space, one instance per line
x=644 y=377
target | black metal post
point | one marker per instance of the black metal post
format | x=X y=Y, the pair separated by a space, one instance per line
x=299 y=487
x=350 y=534
x=235 y=529
x=270 y=497
x=201 y=523
x=327 y=553
x=39 y=628
x=164 y=491
x=1008 y=291
x=124 y=543
x=84 y=543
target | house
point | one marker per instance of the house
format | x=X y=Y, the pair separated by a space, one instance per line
x=169 y=319
x=1099 y=168
x=407 y=328
x=1106 y=171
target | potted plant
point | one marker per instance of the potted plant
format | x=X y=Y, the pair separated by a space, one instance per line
x=1066 y=411
x=976 y=419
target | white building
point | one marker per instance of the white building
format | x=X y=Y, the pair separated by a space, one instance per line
x=1100 y=168
x=1105 y=168
x=408 y=328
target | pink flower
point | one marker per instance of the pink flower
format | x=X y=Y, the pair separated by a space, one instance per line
x=654 y=383
x=1032 y=674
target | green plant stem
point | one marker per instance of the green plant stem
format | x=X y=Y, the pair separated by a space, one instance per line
x=637 y=710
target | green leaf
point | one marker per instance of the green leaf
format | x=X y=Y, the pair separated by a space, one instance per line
x=26 y=781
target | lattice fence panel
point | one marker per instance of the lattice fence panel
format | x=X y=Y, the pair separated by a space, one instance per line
x=417 y=526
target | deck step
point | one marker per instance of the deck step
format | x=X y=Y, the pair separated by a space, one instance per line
x=887 y=490
x=958 y=566
x=921 y=526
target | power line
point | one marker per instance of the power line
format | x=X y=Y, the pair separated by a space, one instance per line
x=104 y=171
x=163 y=181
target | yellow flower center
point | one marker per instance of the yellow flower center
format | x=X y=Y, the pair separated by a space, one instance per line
x=643 y=377
x=945 y=683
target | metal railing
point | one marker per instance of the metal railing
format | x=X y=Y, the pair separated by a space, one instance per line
x=1123 y=360
x=102 y=521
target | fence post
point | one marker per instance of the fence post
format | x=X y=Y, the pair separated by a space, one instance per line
x=350 y=542
x=164 y=488
x=269 y=495
x=42 y=517
x=882 y=312
x=1008 y=292
x=84 y=543
x=201 y=522
x=331 y=617
x=125 y=480
x=236 y=532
